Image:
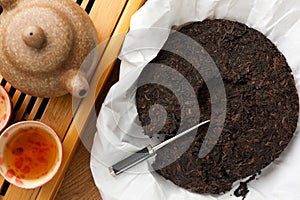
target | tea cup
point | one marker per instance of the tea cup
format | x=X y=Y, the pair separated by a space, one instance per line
x=30 y=154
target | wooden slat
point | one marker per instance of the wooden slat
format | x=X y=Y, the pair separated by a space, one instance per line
x=79 y=184
x=105 y=15
x=16 y=97
x=35 y=109
x=117 y=40
x=7 y=87
x=2 y=180
x=84 y=3
x=23 y=108
x=58 y=114
x=17 y=193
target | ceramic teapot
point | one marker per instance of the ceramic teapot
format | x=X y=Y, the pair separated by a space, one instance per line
x=43 y=43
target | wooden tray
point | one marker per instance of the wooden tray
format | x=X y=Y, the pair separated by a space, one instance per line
x=110 y=18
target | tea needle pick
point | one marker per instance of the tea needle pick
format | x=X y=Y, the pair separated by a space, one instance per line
x=146 y=152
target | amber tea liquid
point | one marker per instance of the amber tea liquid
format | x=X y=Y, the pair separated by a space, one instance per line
x=30 y=154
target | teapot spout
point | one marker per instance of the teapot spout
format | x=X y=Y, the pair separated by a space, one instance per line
x=76 y=83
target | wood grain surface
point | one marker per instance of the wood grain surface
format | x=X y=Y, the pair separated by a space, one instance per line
x=78 y=182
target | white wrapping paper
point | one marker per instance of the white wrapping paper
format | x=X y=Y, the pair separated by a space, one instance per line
x=118 y=131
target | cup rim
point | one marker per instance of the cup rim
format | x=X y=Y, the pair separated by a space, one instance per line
x=8 y=108
x=24 y=183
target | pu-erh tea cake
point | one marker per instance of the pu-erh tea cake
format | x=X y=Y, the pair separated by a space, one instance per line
x=261 y=105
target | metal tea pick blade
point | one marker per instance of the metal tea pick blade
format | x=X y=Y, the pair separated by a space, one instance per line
x=146 y=152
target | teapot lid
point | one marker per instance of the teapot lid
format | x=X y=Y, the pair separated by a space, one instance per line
x=41 y=44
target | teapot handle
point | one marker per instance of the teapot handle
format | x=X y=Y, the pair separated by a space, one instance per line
x=7 y=4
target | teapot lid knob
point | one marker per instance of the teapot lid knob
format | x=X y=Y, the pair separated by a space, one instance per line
x=7 y=4
x=34 y=36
